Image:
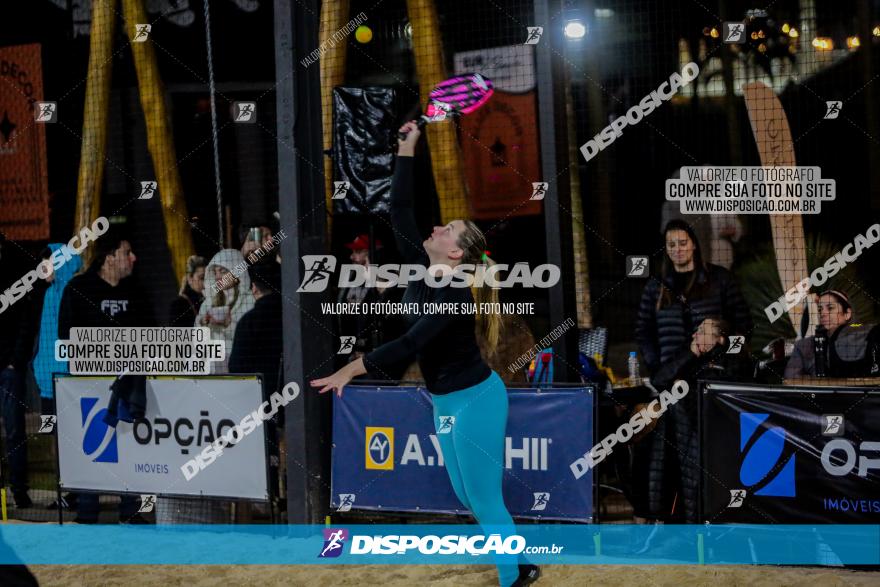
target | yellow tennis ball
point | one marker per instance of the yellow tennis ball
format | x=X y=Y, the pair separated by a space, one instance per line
x=363 y=34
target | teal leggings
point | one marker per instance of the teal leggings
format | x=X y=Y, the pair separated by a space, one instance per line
x=473 y=451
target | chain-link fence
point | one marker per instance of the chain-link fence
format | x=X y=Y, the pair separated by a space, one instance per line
x=144 y=120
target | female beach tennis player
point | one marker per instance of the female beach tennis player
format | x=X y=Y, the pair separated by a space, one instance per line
x=460 y=382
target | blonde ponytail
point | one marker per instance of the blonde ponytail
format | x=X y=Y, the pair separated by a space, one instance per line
x=473 y=243
x=490 y=322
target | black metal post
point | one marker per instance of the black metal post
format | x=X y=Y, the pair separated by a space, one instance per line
x=554 y=169
x=307 y=335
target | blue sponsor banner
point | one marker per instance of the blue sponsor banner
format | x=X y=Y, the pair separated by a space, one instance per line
x=386 y=455
x=544 y=544
x=793 y=454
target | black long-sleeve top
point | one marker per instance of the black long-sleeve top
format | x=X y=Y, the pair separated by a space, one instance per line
x=445 y=345
x=257 y=345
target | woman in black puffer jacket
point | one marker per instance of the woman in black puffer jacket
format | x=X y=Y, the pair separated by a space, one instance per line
x=688 y=292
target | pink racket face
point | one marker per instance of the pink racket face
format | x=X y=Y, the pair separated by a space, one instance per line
x=462 y=94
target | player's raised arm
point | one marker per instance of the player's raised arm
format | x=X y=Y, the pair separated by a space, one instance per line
x=403 y=219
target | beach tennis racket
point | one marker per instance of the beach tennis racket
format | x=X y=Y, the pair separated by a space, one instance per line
x=455 y=96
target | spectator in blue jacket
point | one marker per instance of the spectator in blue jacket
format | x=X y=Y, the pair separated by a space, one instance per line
x=44 y=363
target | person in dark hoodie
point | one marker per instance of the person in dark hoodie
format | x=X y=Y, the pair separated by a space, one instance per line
x=104 y=297
x=257 y=346
x=691 y=297
x=18 y=330
x=258 y=342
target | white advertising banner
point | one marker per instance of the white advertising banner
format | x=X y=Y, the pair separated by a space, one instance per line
x=511 y=68
x=183 y=416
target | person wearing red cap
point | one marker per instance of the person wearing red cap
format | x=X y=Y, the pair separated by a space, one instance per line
x=360 y=255
x=360 y=249
x=852 y=347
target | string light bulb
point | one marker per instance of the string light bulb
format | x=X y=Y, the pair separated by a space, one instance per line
x=823 y=43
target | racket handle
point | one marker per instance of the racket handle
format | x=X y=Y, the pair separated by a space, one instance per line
x=420 y=124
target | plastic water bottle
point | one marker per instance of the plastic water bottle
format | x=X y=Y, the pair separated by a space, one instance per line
x=633 y=364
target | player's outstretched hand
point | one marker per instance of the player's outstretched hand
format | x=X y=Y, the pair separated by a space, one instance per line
x=334 y=382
